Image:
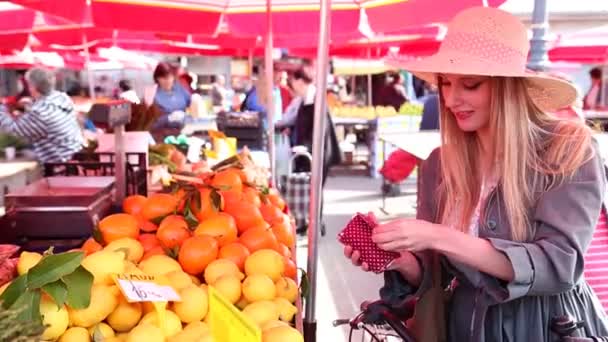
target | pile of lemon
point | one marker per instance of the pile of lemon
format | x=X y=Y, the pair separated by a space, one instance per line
x=262 y=292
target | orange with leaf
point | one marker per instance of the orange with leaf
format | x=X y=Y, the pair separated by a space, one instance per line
x=235 y=252
x=134 y=204
x=220 y=226
x=197 y=252
x=246 y=214
x=159 y=206
x=173 y=231
x=91 y=246
x=258 y=238
x=228 y=180
x=117 y=226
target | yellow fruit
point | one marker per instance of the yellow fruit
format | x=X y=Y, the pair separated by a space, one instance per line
x=56 y=319
x=194 y=304
x=265 y=261
x=147 y=307
x=287 y=288
x=286 y=309
x=131 y=268
x=220 y=267
x=178 y=279
x=230 y=287
x=75 y=334
x=197 y=325
x=113 y=339
x=122 y=336
x=27 y=260
x=104 y=300
x=274 y=324
x=103 y=265
x=242 y=303
x=262 y=312
x=3 y=287
x=159 y=265
x=282 y=334
x=101 y=330
x=172 y=323
x=190 y=335
x=125 y=316
x=146 y=332
x=258 y=287
x=133 y=248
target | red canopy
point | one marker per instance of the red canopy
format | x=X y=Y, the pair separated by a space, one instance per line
x=587 y=46
x=292 y=19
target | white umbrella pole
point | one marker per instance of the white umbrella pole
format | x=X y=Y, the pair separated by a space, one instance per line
x=316 y=189
x=87 y=59
x=269 y=91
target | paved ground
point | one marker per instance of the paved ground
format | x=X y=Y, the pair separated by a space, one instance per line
x=340 y=286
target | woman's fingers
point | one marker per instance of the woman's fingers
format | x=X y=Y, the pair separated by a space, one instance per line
x=348 y=251
x=355 y=258
x=365 y=267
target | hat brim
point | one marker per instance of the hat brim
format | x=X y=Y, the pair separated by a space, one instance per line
x=547 y=92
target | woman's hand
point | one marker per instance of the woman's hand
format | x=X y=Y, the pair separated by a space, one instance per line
x=406 y=235
x=354 y=257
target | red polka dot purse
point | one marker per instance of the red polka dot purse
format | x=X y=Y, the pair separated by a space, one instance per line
x=358 y=235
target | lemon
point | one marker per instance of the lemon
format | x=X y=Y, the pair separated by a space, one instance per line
x=274 y=324
x=262 y=312
x=55 y=318
x=103 y=265
x=133 y=248
x=75 y=334
x=172 y=323
x=113 y=339
x=159 y=265
x=230 y=287
x=101 y=330
x=282 y=334
x=146 y=332
x=190 y=335
x=125 y=316
x=104 y=300
x=258 y=287
x=27 y=260
x=178 y=279
x=287 y=288
x=194 y=304
x=147 y=307
x=220 y=267
x=197 y=325
x=3 y=287
x=265 y=261
x=122 y=336
x=286 y=309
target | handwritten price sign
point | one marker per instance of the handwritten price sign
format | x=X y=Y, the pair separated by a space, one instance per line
x=144 y=288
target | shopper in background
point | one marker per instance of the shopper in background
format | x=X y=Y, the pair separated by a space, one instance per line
x=594 y=95
x=219 y=92
x=280 y=81
x=51 y=124
x=430 y=111
x=393 y=94
x=170 y=97
x=127 y=92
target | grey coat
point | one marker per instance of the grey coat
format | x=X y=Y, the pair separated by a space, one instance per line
x=548 y=268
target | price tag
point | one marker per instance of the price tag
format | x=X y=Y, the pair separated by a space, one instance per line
x=145 y=288
x=227 y=323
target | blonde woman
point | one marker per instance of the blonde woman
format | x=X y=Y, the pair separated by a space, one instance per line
x=507 y=206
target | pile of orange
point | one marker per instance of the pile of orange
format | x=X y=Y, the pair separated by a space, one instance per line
x=231 y=221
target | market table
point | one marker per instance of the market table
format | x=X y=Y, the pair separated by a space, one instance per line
x=16 y=174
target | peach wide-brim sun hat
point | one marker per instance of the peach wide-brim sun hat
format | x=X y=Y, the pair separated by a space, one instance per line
x=485 y=41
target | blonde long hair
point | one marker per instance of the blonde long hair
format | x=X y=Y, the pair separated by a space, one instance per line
x=535 y=151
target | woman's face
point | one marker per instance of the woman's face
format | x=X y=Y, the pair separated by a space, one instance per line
x=299 y=87
x=166 y=82
x=468 y=99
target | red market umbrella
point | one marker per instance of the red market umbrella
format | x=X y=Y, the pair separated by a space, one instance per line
x=247 y=18
x=587 y=46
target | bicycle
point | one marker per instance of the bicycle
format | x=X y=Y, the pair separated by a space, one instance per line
x=377 y=316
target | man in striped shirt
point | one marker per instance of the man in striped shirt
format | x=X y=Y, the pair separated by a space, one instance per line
x=51 y=124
